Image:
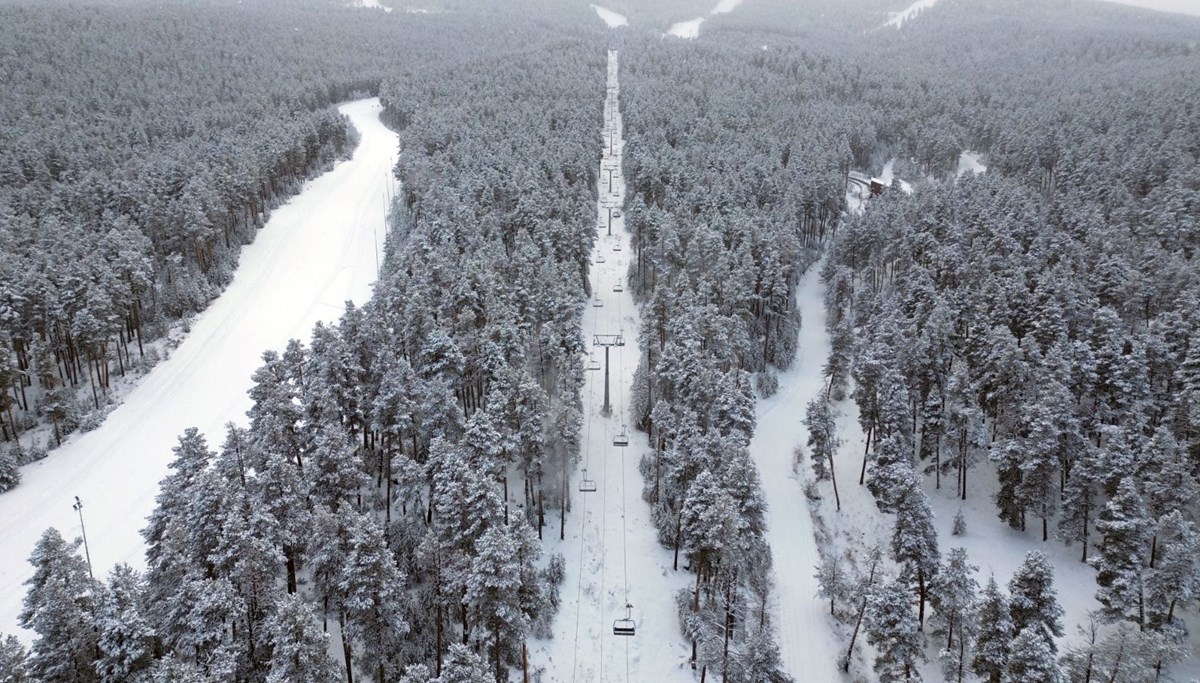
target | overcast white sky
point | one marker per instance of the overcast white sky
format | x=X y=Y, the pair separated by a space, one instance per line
x=1181 y=6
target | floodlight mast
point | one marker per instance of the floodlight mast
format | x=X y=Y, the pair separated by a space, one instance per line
x=607 y=341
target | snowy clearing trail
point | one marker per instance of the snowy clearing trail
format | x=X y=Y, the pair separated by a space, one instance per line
x=610 y=18
x=691 y=28
x=806 y=641
x=899 y=18
x=316 y=251
x=612 y=553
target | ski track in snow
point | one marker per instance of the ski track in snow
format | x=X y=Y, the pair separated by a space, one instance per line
x=611 y=18
x=900 y=18
x=316 y=251
x=804 y=634
x=611 y=549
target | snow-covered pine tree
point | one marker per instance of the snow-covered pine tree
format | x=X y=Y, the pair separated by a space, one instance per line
x=995 y=633
x=954 y=597
x=1121 y=563
x=1031 y=658
x=1174 y=582
x=1033 y=599
x=299 y=647
x=126 y=641
x=823 y=442
x=60 y=607
x=13 y=661
x=893 y=631
x=914 y=545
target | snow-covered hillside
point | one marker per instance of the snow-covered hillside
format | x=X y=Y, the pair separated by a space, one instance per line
x=610 y=18
x=316 y=252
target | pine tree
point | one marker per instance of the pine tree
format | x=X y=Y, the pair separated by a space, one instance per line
x=1031 y=658
x=60 y=608
x=373 y=597
x=493 y=592
x=299 y=648
x=126 y=641
x=821 y=422
x=953 y=595
x=914 y=545
x=1120 y=566
x=995 y=634
x=893 y=630
x=13 y=661
x=10 y=471
x=1032 y=598
x=1175 y=581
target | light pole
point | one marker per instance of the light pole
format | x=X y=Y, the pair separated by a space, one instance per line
x=87 y=553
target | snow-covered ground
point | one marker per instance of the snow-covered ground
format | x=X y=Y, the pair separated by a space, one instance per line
x=316 y=251
x=725 y=6
x=610 y=17
x=886 y=175
x=686 y=29
x=899 y=18
x=808 y=646
x=691 y=28
x=373 y=4
x=612 y=553
x=968 y=162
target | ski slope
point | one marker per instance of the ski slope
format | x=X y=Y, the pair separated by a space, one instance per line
x=610 y=18
x=317 y=251
x=612 y=553
x=806 y=641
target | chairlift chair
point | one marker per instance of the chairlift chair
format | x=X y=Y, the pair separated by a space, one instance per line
x=593 y=364
x=621 y=439
x=597 y=302
x=618 y=288
x=587 y=485
x=599 y=258
x=617 y=246
x=626 y=626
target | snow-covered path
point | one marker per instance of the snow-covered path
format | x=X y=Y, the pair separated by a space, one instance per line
x=612 y=552
x=808 y=646
x=314 y=253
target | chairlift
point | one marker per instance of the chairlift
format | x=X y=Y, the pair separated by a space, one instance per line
x=617 y=246
x=599 y=258
x=587 y=485
x=626 y=626
x=621 y=439
x=618 y=287
x=597 y=302
x=593 y=364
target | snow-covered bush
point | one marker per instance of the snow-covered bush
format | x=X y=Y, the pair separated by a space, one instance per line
x=766 y=383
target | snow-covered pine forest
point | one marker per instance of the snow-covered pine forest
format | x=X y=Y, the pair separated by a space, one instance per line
x=987 y=416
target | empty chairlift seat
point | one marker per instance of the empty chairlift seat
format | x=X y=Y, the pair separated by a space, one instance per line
x=622 y=439
x=587 y=485
x=618 y=287
x=626 y=626
x=592 y=363
x=597 y=303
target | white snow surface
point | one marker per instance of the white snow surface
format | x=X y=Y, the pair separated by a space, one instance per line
x=691 y=28
x=803 y=630
x=886 y=175
x=612 y=553
x=726 y=6
x=968 y=162
x=899 y=18
x=611 y=18
x=317 y=251
x=686 y=29
x=373 y=4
